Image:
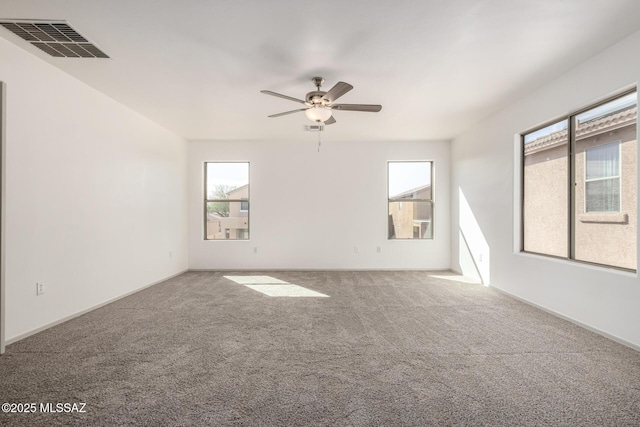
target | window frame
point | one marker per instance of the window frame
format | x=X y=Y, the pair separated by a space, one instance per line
x=242 y=201
x=430 y=201
x=523 y=135
x=571 y=157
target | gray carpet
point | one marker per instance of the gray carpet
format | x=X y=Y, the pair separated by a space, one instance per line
x=386 y=348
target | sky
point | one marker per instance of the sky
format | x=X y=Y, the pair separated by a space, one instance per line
x=405 y=176
x=231 y=174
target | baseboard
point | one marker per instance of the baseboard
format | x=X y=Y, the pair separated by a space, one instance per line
x=317 y=269
x=87 y=310
x=570 y=319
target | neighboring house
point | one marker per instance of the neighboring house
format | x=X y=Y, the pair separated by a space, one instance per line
x=411 y=219
x=605 y=193
x=236 y=225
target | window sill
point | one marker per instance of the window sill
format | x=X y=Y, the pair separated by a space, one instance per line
x=581 y=264
x=605 y=218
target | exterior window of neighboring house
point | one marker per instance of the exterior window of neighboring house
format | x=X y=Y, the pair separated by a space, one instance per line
x=579 y=196
x=227 y=201
x=410 y=200
x=602 y=178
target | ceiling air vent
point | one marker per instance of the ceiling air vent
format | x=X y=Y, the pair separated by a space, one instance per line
x=313 y=128
x=56 y=38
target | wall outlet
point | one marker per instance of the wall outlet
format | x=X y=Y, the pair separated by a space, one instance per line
x=255 y=249
x=39 y=288
x=170 y=254
x=355 y=250
x=378 y=249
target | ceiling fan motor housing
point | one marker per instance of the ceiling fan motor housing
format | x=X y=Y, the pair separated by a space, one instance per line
x=316 y=98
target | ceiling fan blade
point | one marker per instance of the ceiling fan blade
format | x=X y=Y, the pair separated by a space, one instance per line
x=357 y=107
x=287 y=112
x=279 y=95
x=330 y=121
x=337 y=91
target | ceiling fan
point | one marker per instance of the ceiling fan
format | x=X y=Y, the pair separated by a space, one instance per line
x=320 y=104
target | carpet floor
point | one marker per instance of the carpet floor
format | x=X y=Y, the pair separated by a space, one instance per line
x=401 y=348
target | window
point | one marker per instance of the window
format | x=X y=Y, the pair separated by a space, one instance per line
x=579 y=192
x=602 y=178
x=226 y=201
x=546 y=190
x=410 y=200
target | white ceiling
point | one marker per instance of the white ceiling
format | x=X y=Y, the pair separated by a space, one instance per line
x=197 y=67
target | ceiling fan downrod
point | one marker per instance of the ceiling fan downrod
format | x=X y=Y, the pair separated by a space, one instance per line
x=317 y=82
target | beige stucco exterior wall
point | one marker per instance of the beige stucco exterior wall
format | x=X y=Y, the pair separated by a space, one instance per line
x=234 y=208
x=608 y=238
x=546 y=201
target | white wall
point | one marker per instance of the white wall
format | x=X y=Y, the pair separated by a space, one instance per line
x=95 y=196
x=484 y=204
x=310 y=209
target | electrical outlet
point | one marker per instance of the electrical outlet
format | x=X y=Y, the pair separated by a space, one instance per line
x=255 y=249
x=378 y=249
x=355 y=250
x=39 y=288
x=170 y=254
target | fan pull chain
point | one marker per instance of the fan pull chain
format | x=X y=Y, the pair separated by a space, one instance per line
x=319 y=141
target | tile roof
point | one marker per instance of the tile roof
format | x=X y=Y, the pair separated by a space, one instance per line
x=596 y=126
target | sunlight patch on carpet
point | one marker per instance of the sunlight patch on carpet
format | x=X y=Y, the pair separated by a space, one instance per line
x=254 y=280
x=273 y=287
x=457 y=278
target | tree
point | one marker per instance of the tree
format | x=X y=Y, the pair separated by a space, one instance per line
x=219 y=192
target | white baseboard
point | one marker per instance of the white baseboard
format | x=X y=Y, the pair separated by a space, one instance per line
x=570 y=319
x=80 y=313
x=318 y=269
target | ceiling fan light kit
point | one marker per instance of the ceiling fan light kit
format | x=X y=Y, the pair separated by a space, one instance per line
x=318 y=114
x=320 y=104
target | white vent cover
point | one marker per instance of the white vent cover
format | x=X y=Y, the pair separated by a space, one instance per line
x=56 y=38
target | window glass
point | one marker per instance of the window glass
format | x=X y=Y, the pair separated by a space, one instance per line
x=227 y=201
x=224 y=177
x=409 y=180
x=410 y=206
x=546 y=200
x=604 y=217
x=415 y=224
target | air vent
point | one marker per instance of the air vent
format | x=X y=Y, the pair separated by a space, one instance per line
x=313 y=128
x=56 y=38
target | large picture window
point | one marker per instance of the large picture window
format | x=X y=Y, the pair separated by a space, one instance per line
x=579 y=193
x=226 y=201
x=410 y=201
